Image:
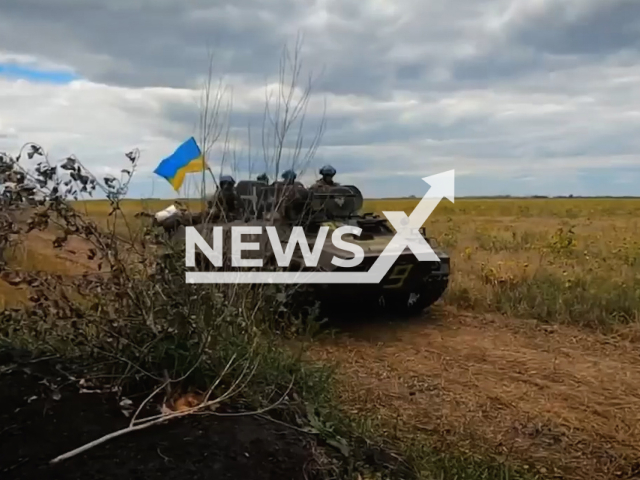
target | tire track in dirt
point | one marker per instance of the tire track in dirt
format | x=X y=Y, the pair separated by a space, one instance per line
x=552 y=395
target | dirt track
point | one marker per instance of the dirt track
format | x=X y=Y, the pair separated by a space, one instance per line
x=556 y=396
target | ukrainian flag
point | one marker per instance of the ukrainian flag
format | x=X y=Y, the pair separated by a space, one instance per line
x=186 y=159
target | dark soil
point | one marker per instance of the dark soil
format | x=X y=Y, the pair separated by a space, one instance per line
x=43 y=415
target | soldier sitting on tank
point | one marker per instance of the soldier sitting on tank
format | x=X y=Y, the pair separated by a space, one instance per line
x=286 y=192
x=263 y=178
x=289 y=177
x=327 y=172
x=225 y=202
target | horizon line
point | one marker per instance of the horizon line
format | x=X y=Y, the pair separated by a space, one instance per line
x=478 y=197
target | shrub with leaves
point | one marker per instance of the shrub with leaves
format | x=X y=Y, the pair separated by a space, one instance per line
x=137 y=311
x=140 y=320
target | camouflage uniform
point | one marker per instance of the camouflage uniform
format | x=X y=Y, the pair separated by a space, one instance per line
x=224 y=201
x=286 y=192
x=326 y=181
x=323 y=184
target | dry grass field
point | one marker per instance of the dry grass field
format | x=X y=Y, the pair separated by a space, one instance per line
x=559 y=260
x=532 y=358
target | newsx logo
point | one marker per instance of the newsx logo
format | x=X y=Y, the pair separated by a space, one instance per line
x=407 y=236
x=283 y=257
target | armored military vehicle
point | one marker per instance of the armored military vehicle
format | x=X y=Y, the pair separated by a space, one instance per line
x=409 y=286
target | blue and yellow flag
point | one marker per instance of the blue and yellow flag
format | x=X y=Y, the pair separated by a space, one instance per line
x=186 y=159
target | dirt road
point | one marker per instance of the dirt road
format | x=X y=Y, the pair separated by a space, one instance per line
x=560 y=397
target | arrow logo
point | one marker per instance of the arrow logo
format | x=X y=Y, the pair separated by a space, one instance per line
x=407 y=236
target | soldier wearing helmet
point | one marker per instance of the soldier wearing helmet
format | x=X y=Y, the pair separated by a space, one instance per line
x=327 y=172
x=225 y=200
x=263 y=178
x=286 y=192
x=289 y=177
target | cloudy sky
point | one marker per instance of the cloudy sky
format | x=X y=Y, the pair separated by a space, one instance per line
x=518 y=96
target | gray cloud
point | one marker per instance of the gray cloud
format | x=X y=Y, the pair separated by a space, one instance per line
x=363 y=47
x=578 y=28
x=479 y=85
x=141 y=42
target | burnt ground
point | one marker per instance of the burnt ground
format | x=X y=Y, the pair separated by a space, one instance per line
x=43 y=414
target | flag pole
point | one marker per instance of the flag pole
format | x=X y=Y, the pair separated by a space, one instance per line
x=203 y=204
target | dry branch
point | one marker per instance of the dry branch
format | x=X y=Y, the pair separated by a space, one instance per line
x=165 y=417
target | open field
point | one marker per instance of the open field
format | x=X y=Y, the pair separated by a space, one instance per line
x=532 y=358
x=560 y=260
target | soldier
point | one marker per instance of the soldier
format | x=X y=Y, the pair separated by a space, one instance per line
x=286 y=192
x=327 y=172
x=225 y=200
x=289 y=177
x=263 y=178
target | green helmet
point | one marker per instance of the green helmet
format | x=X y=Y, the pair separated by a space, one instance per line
x=327 y=171
x=227 y=180
x=289 y=175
